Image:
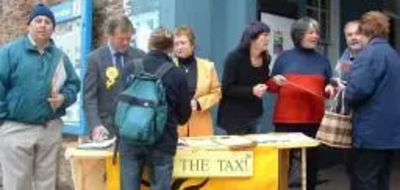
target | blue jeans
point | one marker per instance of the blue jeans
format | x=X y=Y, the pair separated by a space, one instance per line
x=134 y=157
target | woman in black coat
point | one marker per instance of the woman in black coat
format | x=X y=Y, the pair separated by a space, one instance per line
x=245 y=71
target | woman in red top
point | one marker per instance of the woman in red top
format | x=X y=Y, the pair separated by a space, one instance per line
x=301 y=77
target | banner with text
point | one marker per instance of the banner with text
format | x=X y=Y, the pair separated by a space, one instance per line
x=213 y=163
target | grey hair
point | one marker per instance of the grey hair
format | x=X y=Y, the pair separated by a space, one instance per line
x=301 y=26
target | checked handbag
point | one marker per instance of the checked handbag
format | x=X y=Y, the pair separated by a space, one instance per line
x=335 y=128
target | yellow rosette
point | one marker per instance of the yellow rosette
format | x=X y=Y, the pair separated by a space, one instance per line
x=111 y=73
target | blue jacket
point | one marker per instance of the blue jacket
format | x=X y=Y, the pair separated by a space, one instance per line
x=372 y=91
x=25 y=82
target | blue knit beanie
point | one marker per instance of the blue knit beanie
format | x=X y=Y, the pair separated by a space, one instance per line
x=42 y=10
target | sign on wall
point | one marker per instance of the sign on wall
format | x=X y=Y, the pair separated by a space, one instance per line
x=280 y=39
x=145 y=17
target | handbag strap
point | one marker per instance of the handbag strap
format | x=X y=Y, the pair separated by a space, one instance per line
x=342 y=106
x=334 y=101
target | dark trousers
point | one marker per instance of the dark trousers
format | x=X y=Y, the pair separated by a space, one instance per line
x=133 y=158
x=249 y=128
x=312 y=153
x=370 y=169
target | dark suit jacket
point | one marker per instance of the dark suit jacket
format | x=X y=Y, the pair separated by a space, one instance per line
x=99 y=101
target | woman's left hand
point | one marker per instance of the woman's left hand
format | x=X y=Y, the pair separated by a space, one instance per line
x=330 y=91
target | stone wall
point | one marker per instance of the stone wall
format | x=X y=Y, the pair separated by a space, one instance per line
x=14 y=15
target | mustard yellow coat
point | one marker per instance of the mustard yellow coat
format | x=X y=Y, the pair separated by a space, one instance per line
x=208 y=94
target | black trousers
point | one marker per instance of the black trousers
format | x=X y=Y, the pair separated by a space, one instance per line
x=370 y=169
x=312 y=153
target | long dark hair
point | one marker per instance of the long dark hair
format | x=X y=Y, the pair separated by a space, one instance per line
x=252 y=31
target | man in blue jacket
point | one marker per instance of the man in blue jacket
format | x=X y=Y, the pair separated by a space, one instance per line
x=37 y=84
x=372 y=92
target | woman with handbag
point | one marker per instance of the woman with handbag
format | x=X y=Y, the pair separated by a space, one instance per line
x=372 y=92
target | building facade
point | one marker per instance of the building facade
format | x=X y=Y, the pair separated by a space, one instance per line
x=218 y=24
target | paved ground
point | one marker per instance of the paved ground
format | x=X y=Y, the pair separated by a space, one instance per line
x=336 y=177
x=339 y=180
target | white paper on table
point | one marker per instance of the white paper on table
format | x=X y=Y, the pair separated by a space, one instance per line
x=102 y=145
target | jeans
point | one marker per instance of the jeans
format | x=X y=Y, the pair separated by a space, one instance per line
x=134 y=157
x=370 y=169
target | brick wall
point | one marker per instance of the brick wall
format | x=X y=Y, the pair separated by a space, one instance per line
x=14 y=15
x=13 y=18
x=102 y=10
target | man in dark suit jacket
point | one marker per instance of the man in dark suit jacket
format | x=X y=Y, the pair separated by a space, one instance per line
x=107 y=70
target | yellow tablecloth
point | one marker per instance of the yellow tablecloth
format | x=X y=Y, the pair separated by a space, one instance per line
x=93 y=170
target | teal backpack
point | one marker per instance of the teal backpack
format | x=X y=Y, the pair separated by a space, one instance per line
x=142 y=110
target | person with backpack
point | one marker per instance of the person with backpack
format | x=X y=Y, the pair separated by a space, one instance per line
x=153 y=142
x=107 y=70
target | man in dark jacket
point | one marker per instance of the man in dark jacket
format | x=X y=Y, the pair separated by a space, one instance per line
x=372 y=92
x=101 y=85
x=160 y=155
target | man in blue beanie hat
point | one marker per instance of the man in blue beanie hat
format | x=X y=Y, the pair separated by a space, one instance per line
x=37 y=84
x=42 y=10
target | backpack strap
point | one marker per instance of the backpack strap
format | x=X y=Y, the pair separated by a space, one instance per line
x=116 y=148
x=138 y=66
x=163 y=69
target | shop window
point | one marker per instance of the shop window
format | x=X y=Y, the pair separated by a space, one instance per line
x=392 y=9
x=145 y=16
x=320 y=11
x=285 y=8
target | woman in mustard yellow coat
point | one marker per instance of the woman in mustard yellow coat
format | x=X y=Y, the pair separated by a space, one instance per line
x=203 y=82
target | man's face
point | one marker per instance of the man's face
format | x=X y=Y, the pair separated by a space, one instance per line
x=41 y=28
x=120 y=40
x=354 y=39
